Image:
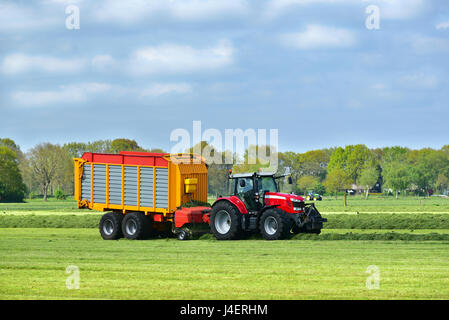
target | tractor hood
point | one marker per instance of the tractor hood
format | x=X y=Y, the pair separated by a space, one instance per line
x=283 y=196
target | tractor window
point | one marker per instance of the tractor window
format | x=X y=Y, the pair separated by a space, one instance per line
x=267 y=184
x=248 y=185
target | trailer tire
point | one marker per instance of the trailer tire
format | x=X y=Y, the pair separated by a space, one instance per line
x=182 y=235
x=226 y=221
x=111 y=226
x=136 y=226
x=275 y=225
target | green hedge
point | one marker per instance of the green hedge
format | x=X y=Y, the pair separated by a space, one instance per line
x=49 y=221
x=387 y=221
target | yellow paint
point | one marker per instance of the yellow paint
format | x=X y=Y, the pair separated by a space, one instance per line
x=190 y=185
x=186 y=181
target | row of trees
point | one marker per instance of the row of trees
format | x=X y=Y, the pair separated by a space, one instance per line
x=48 y=168
x=395 y=169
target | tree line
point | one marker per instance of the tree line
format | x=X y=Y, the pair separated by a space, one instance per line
x=47 y=169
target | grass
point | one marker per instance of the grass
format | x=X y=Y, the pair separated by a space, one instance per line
x=38 y=240
x=384 y=204
x=34 y=261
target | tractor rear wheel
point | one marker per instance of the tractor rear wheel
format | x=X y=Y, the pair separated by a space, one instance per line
x=111 y=226
x=225 y=221
x=136 y=226
x=275 y=225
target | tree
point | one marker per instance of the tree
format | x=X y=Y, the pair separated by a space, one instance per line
x=397 y=176
x=336 y=181
x=425 y=166
x=445 y=149
x=12 y=187
x=314 y=163
x=45 y=160
x=352 y=159
x=122 y=144
x=442 y=183
x=306 y=183
x=290 y=160
x=368 y=178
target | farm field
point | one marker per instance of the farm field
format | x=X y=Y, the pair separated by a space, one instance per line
x=34 y=261
x=39 y=240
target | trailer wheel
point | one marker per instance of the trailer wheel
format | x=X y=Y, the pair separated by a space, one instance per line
x=225 y=221
x=275 y=225
x=111 y=226
x=136 y=226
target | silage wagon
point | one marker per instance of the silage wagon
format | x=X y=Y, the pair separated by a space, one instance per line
x=142 y=193
x=152 y=194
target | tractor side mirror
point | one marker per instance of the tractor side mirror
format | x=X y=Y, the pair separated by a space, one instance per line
x=290 y=180
x=242 y=183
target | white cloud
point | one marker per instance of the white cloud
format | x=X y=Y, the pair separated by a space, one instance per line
x=442 y=25
x=171 y=58
x=66 y=94
x=22 y=63
x=389 y=9
x=316 y=36
x=158 y=89
x=131 y=11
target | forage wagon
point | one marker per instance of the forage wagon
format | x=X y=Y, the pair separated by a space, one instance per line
x=150 y=194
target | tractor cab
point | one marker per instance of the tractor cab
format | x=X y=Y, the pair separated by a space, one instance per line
x=252 y=187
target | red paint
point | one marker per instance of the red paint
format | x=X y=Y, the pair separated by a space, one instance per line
x=157 y=217
x=128 y=158
x=190 y=215
x=284 y=204
x=235 y=201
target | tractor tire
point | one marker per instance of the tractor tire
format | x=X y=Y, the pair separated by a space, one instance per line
x=111 y=226
x=226 y=221
x=136 y=226
x=275 y=225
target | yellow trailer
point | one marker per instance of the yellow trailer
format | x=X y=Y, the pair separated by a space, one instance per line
x=140 y=189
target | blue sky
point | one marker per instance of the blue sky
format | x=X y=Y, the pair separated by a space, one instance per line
x=140 y=69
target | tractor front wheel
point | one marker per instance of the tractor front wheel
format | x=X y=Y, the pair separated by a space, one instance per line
x=275 y=225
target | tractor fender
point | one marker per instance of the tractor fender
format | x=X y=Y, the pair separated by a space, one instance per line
x=234 y=201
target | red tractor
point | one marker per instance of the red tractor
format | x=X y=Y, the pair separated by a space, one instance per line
x=256 y=205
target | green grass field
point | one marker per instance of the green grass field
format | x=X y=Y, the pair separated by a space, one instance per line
x=34 y=261
x=408 y=244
